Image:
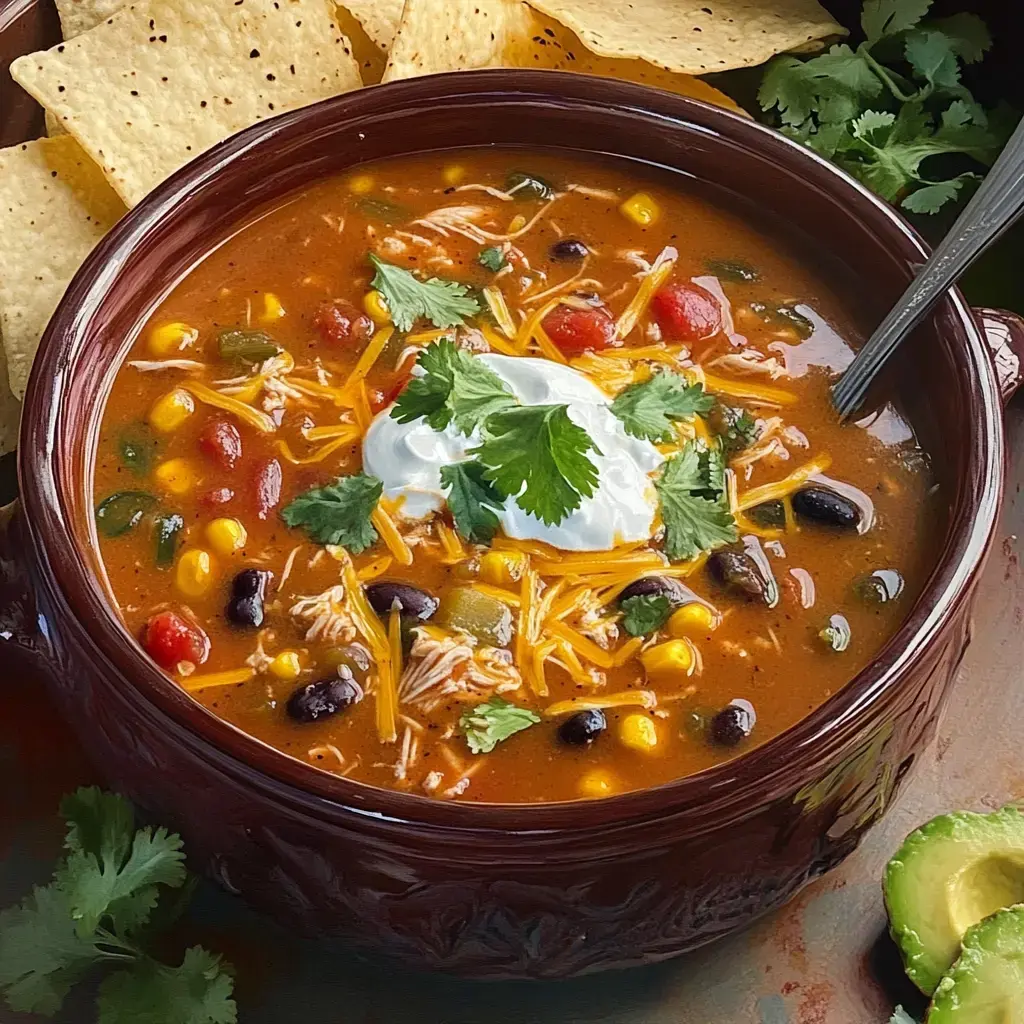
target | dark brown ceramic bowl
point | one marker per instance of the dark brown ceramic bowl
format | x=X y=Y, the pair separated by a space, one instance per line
x=494 y=890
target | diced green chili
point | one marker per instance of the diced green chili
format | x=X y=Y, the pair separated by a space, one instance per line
x=837 y=633
x=770 y=514
x=136 y=448
x=249 y=346
x=880 y=587
x=783 y=318
x=166 y=530
x=384 y=210
x=528 y=186
x=122 y=511
x=732 y=270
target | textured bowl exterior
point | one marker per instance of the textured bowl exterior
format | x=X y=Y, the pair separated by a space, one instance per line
x=491 y=890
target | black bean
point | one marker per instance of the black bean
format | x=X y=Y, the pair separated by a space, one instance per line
x=658 y=586
x=321 y=699
x=581 y=729
x=412 y=602
x=738 y=572
x=820 y=505
x=248 y=589
x=733 y=724
x=568 y=250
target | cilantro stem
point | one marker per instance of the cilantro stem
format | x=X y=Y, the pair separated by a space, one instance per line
x=889 y=78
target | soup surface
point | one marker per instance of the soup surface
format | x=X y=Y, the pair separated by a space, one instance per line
x=502 y=476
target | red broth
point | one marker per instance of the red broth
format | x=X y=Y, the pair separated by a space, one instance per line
x=772 y=554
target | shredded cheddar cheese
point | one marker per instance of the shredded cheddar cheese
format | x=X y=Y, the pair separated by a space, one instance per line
x=246 y=413
x=762 y=394
x=385 y=526
x=627 y=698
x=785 y=487
x=659 y=273
x=499 y=310
x=451 y=544
x=231 y=677
x=370 y=355
x=318 y=454
x=376 y=568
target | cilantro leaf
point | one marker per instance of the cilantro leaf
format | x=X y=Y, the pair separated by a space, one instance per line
x=648 y=409
x=97 y=821
x=537 y=455
x=197 y=992
x=931 y=198
x=455 y=386
x=42 y=955
x=882 y=18
x=338 y=513
x=645 y=613
x=932 y=56
x=443 y=303
x=488 y=724
x=740 y=431
x=968 y=35
x=492 y=258
x=693 y=522
x=473 y=500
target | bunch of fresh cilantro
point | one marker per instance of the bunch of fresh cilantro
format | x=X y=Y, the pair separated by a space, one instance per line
x=98 y=914
x=894 y=112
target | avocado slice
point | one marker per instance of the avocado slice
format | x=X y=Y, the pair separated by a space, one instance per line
x=947 y=876
x=986 y=984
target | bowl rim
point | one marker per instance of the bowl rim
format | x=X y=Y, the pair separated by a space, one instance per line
x=832 y=726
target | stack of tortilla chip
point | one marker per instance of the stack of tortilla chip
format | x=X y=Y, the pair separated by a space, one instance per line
x=136 y=91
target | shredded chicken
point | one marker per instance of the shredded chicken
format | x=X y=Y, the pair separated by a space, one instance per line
x=451 y=667
x=505 y=197
x=595 y=193
x=326 y=616
x=464 y=220
x=773 y=442
x=259 y=661
x=152 y=365
x=750 y=361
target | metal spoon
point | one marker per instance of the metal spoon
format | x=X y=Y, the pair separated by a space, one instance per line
x=994 y=207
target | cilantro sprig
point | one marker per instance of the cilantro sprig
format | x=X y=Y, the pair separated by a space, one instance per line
x=537 y=454
x=645 y=613
x=492 y=258
x=650 y=408
x=690 y=491
x=883 y=110
x=473 y=500
x=99 y=912
x=338 y=513
x=454 y=387
x=443 y=303
x=489 y=724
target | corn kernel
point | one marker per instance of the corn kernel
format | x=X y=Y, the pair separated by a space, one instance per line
x=169 y=338
x=638 y=732
x=693 y=618
x=502 y=568
x=193 y=574
x=516 y=223
x=641 y=209
x=286 y=665
x=361 y=184
x=272 y=308
x=176 y=476
x=376 y=306
x=453 y=174
x=226 y=536
x=674 y=657
x=171 y=410
x=598 y=783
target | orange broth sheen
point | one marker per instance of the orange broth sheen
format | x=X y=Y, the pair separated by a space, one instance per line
x=313 y=250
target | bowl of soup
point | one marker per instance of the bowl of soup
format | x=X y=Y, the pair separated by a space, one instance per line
x=432 y=506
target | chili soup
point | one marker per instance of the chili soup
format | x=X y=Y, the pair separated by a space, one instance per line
x=501 y=476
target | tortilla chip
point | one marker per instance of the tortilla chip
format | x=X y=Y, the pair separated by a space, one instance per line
x=694 y=37
x=78 y=16
x=379 y=18
x=53 y=126
x=160 y=81
x=460 y=35
x=54 y=207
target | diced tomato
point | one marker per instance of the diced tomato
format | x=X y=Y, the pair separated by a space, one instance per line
x=217 y=496
x=267 y=487
x=576 y=331
x=221 y=442
x=342 y=325
x=382 y=399
x=686 y=312
x=170 y=639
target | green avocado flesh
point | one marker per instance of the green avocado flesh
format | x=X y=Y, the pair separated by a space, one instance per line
x=986 y=984
x=946 y=877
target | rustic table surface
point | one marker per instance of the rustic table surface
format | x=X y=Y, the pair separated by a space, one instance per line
x=824 y=959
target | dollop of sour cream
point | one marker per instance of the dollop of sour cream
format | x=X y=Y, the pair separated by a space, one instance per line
x=408 y=458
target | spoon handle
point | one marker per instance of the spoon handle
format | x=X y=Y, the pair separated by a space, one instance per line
x=993 y=208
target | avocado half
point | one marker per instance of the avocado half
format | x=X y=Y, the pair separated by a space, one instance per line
x=946 y=877
x=986 y=984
